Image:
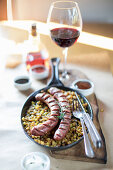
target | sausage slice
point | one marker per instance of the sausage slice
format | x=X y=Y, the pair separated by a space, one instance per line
x=65 y=108
x=48 y=125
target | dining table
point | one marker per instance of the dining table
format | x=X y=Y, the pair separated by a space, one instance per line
x=93 y=61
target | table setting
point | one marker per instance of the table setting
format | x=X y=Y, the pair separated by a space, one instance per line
x=55 y=114
x=98 y=147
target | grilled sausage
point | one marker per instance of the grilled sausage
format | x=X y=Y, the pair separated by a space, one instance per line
x=48 y=125
x=65 y=108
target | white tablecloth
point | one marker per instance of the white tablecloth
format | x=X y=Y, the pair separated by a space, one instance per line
x=14 y=144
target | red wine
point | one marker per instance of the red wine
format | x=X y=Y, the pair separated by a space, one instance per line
x=64 y=37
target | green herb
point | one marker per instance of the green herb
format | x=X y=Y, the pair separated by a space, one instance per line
x=61 y=116
x=66 y=106
x=61 y=113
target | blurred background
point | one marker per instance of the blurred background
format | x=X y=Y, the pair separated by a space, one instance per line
x=91 y=10
x=97 y=18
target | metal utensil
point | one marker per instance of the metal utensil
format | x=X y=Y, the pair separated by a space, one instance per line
x=96 y=139
x=88 y=148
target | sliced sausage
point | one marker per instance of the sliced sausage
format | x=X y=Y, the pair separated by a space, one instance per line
x=48 y=125
x=65 y=109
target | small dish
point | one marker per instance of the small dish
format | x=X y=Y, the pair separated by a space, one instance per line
x=84 y=86
x=35 y=161
x=22 y=82
x=39 y=72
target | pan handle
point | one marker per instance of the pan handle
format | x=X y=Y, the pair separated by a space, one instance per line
x=54 y=81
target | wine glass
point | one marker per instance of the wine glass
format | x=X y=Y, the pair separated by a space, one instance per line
x=65 y=24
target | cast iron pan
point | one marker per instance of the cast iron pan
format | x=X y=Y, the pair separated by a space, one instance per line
x=54 y=82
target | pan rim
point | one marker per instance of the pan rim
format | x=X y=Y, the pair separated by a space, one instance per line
x=44 y=89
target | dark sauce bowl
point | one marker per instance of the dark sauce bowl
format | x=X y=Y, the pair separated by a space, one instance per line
x=22 y=82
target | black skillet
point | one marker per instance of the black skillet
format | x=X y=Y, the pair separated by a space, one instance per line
x=54 y=82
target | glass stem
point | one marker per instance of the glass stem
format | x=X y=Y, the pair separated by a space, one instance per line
x=64 y=73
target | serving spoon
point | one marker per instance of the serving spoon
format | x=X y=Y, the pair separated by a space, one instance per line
x=88 y=148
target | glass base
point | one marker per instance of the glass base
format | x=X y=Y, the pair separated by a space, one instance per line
x=70 y=77
x=64 y=76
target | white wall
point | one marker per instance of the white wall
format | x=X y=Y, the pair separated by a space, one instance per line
x=97 y=10
x=91 y=10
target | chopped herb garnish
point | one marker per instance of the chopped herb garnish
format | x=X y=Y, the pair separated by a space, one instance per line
x=61 y=116
x=61 y=113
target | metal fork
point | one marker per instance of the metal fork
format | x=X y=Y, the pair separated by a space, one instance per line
x=95 y=137
x=88 y=148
